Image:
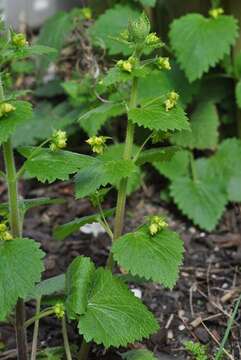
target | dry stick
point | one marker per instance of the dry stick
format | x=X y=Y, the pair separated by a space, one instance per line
x=16 y=230
x=121 y=199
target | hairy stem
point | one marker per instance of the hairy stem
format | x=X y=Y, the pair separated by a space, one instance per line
x=66 y=340
x=121 y=198
x=16 y=230
x=36 y=330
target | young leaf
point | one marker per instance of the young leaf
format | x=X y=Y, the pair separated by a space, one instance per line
x=153 y=115
x=202 y=200
x=79 y=279
x=110 y=25
x=177 y=167
x=55 y=284
x=11 y=121
x=100 y=173
x=62 y=231
x=204 y=126
x=200 y=42
x=155 y=257
x=140 y=354
x=47 y=165
x=109 y=313
x=20 y=269
x=93 y=120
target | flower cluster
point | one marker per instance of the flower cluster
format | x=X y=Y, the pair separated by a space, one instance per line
x=171 y=101
x=127 y=65
x=157 y=223
x=59 y=310
x=216 y=12
x=19 y=40
x=97 y=143
x=58 y=140
x=163 y=63
x=87 y=13
x=4 y=232
x=6 y=108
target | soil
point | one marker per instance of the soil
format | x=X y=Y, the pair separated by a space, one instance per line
x=197 y=309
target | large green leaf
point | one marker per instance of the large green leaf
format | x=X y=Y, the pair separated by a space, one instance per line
x=93 y=120
x=200 y=42
x=107 y=310
x=10 y=122
x=153 y=115
x=203 y=199
x=54 y=33
x=153 y=257
x=47 y=165
x=20 y=269
x=140 y=354
x=101 y=172
x=176 y=167
x=62 y=231
x=110 y=25
x=79 y=279
x=204 y=129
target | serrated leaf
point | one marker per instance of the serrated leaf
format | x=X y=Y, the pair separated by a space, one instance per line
x=10 y=122
x=157 y=155
x=47 y=165
x=109 y=25
x=62 y=231
x=115 y=76
x=110 y=314
x=20 y=269
x=100 y=173
x=44 y=119
x=79 y=279
x=200 y=42
x=238 y=93
x=234 y=189
x=153 y=115
x=177 y=167
x=53 y=34
x=55 y=284
x=152 y=257
x=93 y=120
x=140 y=354
x=204 y=129
x=202 y=200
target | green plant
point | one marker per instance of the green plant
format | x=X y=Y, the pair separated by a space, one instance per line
x=102 y=305
x=198 y=350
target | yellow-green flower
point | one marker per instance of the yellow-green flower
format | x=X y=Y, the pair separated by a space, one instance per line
x=171 y=101
x=163 y=63
x=19 y=40
x=5 y=234
x=125 y=65
x=59 y=310
x=215 y=13
x=97 y=143
x=157 y=223
x=6 y=108
x=59 y=140
x=152 y=39
x=87 y=13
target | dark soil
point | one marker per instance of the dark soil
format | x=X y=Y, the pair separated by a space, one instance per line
x=197 y=309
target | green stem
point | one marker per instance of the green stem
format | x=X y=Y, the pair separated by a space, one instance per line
x=36 y=330
x=16 y=230
x=41 y=315
x=121 y=198
x=66 y=340
x=193 y=168
x=84 y=351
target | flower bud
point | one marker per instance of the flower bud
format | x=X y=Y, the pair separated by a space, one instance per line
x=97 y=144
x=59 y=140
x=215 y=13
x=59 y=310
x=87 y=13
x=152 y=39
x=171 y=101
x=163 y=63
x=19 y=40
x=5 y=235
x=139 y=29
x=157 y=223
x=6 y=108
